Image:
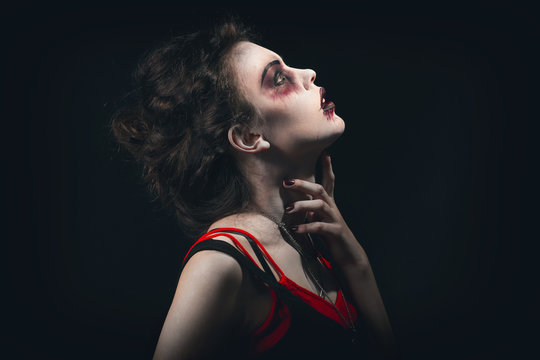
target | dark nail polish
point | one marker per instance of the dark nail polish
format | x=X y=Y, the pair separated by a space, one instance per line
x=289 y=208
x=288 y=182
x=294 y=228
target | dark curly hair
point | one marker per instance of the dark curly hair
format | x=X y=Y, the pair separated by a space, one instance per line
x=175 y=124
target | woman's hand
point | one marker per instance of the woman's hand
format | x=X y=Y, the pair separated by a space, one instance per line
x=324 y=217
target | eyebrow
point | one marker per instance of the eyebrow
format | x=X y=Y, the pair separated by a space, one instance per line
x=270 y=64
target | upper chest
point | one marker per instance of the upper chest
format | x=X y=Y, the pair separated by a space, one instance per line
x=278 y=256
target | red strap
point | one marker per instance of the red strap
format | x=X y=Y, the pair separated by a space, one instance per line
x=213 y=234
x=266 y=254
x=322 y=305
x=270 y=316
x=318 y=303
x=278 y=321
x=274 y=328
x=324 y=261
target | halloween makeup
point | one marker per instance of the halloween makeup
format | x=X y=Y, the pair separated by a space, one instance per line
x=268 y=66
x=296 y=115
x=278 y=79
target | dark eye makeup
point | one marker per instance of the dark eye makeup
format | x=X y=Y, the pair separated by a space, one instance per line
x=279 y=78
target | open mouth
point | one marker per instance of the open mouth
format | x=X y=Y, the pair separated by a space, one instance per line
x=326 y=105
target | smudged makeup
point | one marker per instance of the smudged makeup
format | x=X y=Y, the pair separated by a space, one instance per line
x=280 y=82
x=277 y=79
x=327 y=106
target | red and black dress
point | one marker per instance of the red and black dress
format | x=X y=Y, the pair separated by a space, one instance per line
x=300 y=323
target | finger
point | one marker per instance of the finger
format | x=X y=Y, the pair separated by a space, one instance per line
x=308 y=187
x=311 y=217
x=328 y=177
x=320 y=208
x=328 y=230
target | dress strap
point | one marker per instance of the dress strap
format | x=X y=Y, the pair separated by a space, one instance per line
x=255 y=244
x=222 y=246
x=245 y=262
x=210 y=236
x=252 y=243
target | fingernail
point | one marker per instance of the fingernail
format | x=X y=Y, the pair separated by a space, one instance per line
x=288 y=182
x=289 y=208
x=294 y=228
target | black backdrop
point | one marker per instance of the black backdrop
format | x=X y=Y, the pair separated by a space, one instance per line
x=434 y=172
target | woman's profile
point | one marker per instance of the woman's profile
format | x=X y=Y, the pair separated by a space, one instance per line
x=230 y=138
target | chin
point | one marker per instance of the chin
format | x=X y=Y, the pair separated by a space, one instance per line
x=339 y=124
x=332 y=137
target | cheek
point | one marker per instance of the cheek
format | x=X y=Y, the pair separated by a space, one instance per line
x=284 y=91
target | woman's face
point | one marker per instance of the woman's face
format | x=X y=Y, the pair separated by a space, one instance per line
x=295 y=116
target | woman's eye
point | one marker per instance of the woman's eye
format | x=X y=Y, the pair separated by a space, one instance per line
x=279 y=78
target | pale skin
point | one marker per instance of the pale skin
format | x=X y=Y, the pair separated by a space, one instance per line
x=215 y=300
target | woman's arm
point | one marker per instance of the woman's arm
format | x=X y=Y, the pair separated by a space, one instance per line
x=206 y=308
x=325 y=219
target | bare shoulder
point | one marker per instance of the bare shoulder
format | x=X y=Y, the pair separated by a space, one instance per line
x=214 y=299
x=207 y=307
x=258 y=226
x=211 y=266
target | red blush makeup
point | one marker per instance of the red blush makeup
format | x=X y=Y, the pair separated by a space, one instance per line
x=279 y=84
x=284 y=90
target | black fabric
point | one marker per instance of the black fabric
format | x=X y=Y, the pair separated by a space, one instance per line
x=311 y=335
x=255 y=248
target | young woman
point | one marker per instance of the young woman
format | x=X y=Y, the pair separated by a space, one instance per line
x=229 y=136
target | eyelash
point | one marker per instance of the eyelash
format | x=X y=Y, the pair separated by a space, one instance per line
x=279 y=75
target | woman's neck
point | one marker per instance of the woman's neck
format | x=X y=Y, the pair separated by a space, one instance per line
x=266 y=175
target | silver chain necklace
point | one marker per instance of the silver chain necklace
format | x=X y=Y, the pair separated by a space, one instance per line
x=321 y=291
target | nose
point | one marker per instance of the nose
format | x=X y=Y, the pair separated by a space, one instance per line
x=308 y=78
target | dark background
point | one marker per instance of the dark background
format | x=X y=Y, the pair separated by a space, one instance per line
x=434 y=172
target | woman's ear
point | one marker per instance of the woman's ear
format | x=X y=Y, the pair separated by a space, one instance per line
x=244 y=139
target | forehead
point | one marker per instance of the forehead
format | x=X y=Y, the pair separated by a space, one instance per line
x=250 y=59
